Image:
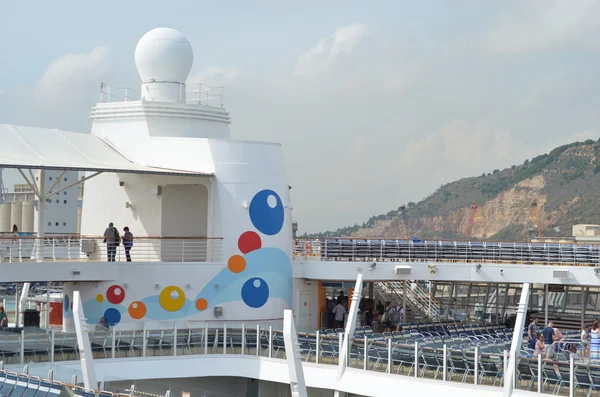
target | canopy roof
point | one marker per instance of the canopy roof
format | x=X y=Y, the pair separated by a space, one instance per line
x=42 y=148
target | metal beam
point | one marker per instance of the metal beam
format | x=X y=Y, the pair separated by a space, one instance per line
x=294 y=359
x=517 y=339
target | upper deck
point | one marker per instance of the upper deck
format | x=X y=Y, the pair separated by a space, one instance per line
x=347 y=249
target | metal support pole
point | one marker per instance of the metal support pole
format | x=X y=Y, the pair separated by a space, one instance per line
x=516 y=340
x=294 y=359
x=83 y=343
x=346 y=347
x=404 y=286
x=113 y=343
x=545 y=305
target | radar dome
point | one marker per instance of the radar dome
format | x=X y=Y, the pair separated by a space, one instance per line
x=164 y=55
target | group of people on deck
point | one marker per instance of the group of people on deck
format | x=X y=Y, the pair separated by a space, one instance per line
x=112 y=238
x=550 y=340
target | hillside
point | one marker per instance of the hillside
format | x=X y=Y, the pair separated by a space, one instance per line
x=559 y=188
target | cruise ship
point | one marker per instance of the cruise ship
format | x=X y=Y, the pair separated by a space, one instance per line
x=214 y=296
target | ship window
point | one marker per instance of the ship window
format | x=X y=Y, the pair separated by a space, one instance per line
x=48 y=200
x=57 y=201
x=65 y=201
x=56 y=223
x=65 y=179
x=50 y=178
x=65 y=193
x=49 y=223
x=64 y=223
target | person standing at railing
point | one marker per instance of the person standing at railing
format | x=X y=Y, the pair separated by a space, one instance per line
x=3 y=317
x=549 y=339
x=595 y=342
x=585 y=342
x=127 y=242
x=111 y=238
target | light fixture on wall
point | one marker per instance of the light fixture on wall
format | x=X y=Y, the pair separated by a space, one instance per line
x=128 y=205
x=245 y=205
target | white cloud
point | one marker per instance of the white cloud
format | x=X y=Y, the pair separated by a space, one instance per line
x=328 y=50
x=72 y=77
x=541 y=25
x=216 y=76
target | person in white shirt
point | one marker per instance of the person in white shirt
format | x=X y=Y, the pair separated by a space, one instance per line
x=339 y=311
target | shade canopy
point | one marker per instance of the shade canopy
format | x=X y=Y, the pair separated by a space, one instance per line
x=42 y=148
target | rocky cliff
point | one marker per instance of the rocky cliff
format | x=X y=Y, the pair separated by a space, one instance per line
x=547 y=194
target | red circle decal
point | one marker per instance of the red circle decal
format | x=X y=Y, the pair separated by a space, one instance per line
x=249 y=241
x=115 y=294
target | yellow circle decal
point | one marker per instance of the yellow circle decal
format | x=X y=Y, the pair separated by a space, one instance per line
x=99 y=298
x=172 y=298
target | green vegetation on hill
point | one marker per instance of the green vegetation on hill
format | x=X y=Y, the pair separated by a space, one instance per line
x=571 y=182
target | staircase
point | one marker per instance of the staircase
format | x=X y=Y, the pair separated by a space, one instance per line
x=420 y=305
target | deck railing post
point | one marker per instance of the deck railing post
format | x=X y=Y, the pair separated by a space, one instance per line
x=389 y=352
x=476 y=369
x=539 y=374
x=174 y=340
x=52 y=342
x=22 y=352
x=416 y=359
x=270 y=341
x=445 y=366
x=366 y=353
x=113 y=342
x=144 y=341
x=258 y=339
x=243 y=338
x=571 y=376
x=318 y=347
x=206 y=338
x=224 y=338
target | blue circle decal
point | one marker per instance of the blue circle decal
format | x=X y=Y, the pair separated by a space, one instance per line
x=66 y=304
x=255 y=292
x=112 y=316
x=266 y=212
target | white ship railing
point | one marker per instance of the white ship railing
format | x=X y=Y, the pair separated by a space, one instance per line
x=93 y=248
x=478 y=360
x=349 y=249
x=196 y=94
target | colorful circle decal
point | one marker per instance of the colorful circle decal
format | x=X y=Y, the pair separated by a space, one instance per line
x=99 y=298
x=236 y=264
x=115 y=294
x=266 y=212
x=137 y=310
x=66 y=304
x=112 y=316
x=172 y=298
x=255 y=292
x=249 y=241
x=201 y=304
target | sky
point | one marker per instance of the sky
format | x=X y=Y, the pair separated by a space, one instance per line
x=375 y=103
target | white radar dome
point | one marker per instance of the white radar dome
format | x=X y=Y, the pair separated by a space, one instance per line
x=164 y=55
